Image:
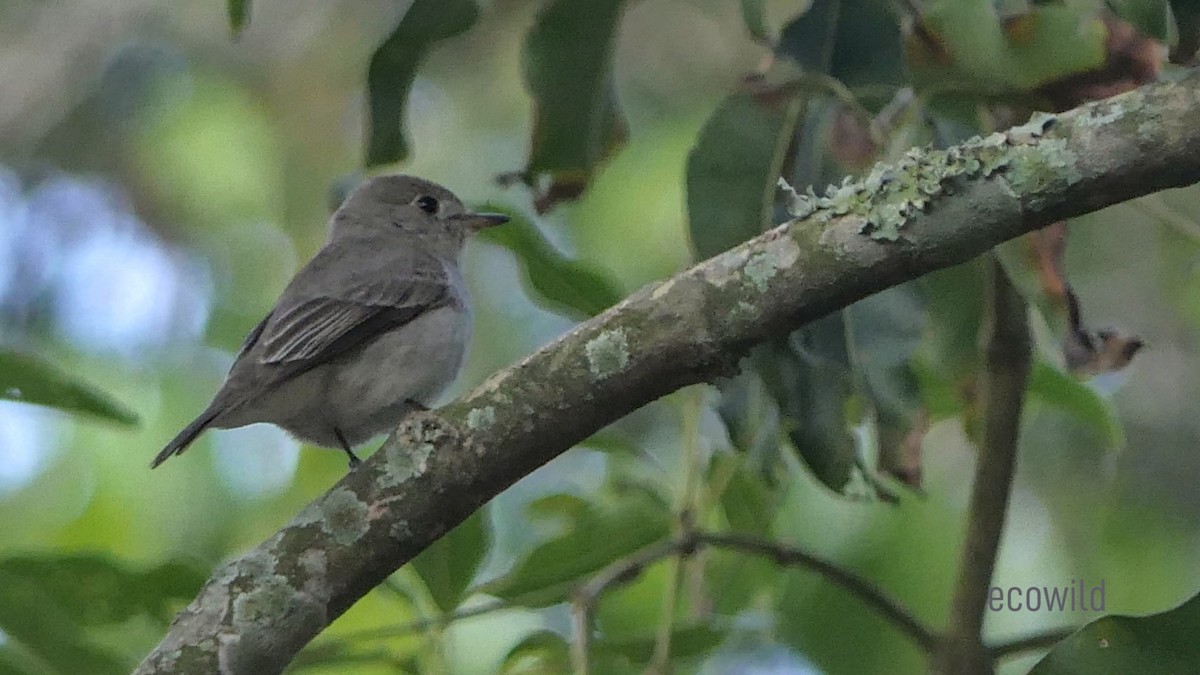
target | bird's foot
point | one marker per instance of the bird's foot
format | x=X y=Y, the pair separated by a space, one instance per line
x=354 y=460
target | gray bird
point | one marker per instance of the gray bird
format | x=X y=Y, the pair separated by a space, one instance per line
x=373 y=327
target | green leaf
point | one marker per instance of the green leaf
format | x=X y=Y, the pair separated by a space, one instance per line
x=1187 y=23
x=47 y=603
x=1056 y=388
x=540 y=653
x=1152 y=18
x=568 y=67
x=568 y=286
x=239 y=15
x=855 y=41
x=448 y=566
x=756 y=22
x=848 y=368
x=1159 y=643
x=812 y=392
x=29 y=379
x=685 y=641
x=979 y=53
x=394 y=67
x=748 y=501
x=733 y=170
x=595 y=536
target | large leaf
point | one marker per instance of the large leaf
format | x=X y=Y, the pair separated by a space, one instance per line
x=1160 y=643
x=733 y=169
x=1150 y=17
x=47 y=603
x=568 y=67
x=855 y=41
x=394 y=66
x=846 y=370
x=1187 y=22
x=963 y=45
x=449 y=565
x=570 y=286
x=595 y=536
x=1056 y=388
x=29 y=379
x=812 y=390
x=540 y=653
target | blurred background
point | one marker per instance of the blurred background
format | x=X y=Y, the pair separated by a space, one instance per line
x=162 y=179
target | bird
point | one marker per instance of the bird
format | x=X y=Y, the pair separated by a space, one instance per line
x=373 y=327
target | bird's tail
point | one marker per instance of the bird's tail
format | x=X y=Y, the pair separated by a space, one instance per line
x=185 y=437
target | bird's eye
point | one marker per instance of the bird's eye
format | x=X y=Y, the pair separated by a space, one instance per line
x=427 y=204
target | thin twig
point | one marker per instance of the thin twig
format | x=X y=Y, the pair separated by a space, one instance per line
x=788 y=556
x=583 y=601
x=1008 y=353
x=1030 y=643
x=417 y=626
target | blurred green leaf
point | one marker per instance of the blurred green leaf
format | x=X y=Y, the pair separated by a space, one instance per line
x=751 y=418
x=1159 y=643
x=1152 y=18
x=1187 y=23
x=46 y=603
x=756 y=22
x=685 y=641
x=239 y=15
x=448 y=566
x=569 y=286
x=576 y=121
x=394 y=67
x=855 y=41
x=812 y=392
x=596 y=535
x=540 y=653
x=1056 y=388
x=828 y=370
x=29 y=379
x=977 y=52
x=734 y=167
x=949 y=362
x=748 y=501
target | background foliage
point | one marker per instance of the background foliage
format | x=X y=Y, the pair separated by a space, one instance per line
x=165 y=168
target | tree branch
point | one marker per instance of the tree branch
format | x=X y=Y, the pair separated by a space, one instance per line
x=1008 y=353
x=257 y=611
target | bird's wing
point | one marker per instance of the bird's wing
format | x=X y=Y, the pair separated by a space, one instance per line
x=313 y=330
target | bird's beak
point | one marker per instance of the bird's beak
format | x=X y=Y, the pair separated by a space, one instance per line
x=482 y=221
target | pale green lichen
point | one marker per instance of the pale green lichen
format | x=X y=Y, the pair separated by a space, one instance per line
x=759 y=269
x=891 y=194
x=607 y=353
x=1101 y=115
x=481 y=418
x=405 y=463
x=272 y=596
x=1035 y=170
x=256 y=563
x=1037 y=126
x=343 y=516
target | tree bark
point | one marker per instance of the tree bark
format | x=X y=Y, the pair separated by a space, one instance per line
x=934 y=210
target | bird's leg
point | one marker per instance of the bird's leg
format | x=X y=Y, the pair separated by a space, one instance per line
x=354 y=460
